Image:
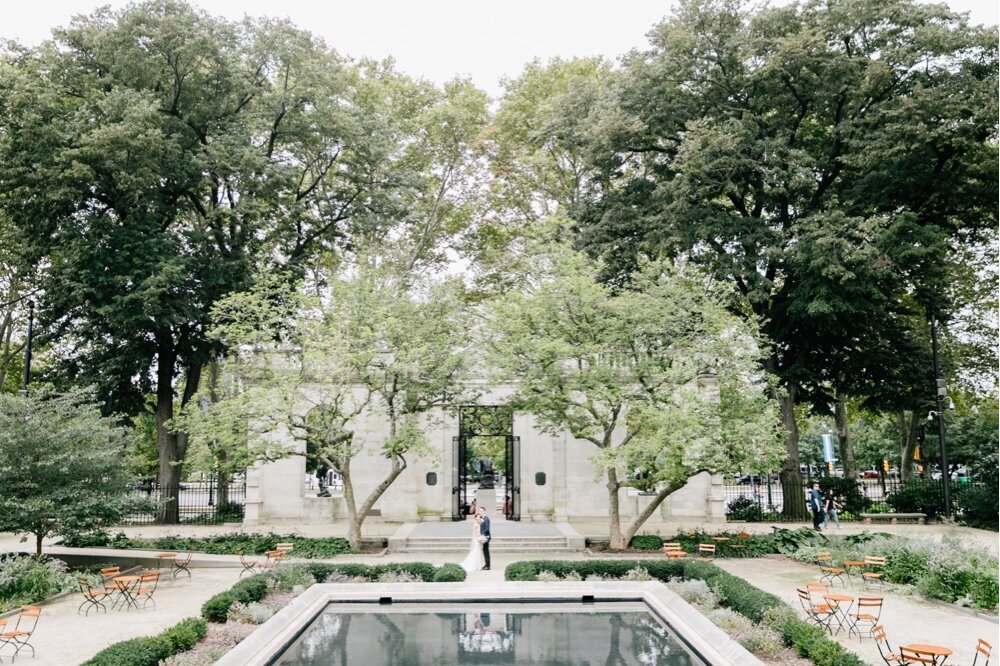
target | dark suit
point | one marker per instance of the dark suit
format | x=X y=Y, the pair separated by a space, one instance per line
x=484 y=530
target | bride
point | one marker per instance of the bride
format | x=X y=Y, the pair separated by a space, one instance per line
x=474 y=560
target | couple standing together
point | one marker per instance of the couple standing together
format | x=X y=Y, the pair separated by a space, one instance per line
x=479 y=552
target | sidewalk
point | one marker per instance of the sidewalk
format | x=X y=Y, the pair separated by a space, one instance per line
x=66 y=637
x=906 y=619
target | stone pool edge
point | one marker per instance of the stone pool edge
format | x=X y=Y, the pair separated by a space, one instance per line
x=712 y=644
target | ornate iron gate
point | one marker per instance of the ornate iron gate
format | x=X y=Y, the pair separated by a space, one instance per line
x=484 y=421
x=458 y=491
x=512 y=476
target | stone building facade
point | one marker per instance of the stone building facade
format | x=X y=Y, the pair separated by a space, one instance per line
x=558 y=482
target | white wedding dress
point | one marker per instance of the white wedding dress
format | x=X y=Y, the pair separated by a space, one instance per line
x=474 y=560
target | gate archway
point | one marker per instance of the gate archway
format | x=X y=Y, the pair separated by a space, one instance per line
x=485 y=422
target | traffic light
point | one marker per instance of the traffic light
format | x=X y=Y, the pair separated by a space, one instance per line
x=885 y=464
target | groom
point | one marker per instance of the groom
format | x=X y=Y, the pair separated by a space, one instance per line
x=484 y=531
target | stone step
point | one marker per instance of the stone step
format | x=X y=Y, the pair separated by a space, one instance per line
x=506 y=549
x=553 y=539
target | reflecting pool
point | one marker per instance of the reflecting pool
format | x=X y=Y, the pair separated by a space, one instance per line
x=549 y=634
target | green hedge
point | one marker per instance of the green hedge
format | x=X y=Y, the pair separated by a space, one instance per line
x=733 y=592
x=228 y=544
x=255 y=587
x=151 y=650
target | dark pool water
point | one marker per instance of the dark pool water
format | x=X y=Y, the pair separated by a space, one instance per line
x=473 y=635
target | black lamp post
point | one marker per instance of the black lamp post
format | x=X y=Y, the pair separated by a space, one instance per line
x=940 y=392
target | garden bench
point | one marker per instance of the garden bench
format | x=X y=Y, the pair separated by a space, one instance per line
x=919 y=518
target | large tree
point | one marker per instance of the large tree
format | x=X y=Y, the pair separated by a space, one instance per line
x=381 y=345
x=821 y=157
x=62 y=466
x=629 y=372
x=157 y=157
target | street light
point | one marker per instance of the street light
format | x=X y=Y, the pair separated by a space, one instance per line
x=941 y=391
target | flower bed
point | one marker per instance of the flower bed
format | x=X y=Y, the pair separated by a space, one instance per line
x=28 y=579
x=732 y=592
x=950 y=571
x=228 y=544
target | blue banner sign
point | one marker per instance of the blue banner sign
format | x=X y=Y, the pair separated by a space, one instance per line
x=828 y=448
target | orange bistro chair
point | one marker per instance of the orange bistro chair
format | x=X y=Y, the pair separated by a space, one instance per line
x=706 y=552
x=20 y=636
x=984 y=650
x=819 y=614
x=830 y=572
x=885 y=651
x=871 y=577
x=866 y=615
x=147 y=588
x=93 y=597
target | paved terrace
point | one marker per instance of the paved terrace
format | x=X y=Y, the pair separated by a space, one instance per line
x=64 y=637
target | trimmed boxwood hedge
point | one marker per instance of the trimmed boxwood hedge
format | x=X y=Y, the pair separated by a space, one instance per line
x=733 y=592
x=255 y=587
x=151 y=650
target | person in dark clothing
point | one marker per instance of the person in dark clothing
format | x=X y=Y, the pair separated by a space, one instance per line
x=484 y=533
x=816 y=502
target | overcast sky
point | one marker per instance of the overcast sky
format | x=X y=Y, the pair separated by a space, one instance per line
x=437 y=39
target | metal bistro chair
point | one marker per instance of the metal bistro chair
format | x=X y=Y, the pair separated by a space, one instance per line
x=706 y=552
x=673 y=551
x=819 y=614
x=867 y=613
x=830 y=572
x=93 y=597
x=983 y=649
x=20 y=636
x=912 y=657
x=183 y=564
x=147 y=587
x=249 y=565
x=884 y=649
x=871 y=577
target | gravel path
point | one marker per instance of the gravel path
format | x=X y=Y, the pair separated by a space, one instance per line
x=906 y=619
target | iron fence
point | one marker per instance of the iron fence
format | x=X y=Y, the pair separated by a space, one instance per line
x=198 y=503
x=759 y=497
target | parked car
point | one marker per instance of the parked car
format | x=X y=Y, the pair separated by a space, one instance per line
x=869 y=474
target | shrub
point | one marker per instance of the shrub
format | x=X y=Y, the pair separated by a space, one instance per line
x=728 y=620
x=288 y=577
x=216 y=609
x=449 y=573
x=397 y=577
x=918 y=497
x=150 y=651
x=762 y=641
x=647 y=542
x=636 y=574
x=254 y=544
x=788 y=541
x=743 y=598
x=572 y=576
x=977 y=505
x=744 y=508
x=185 y=634
x=26 y=579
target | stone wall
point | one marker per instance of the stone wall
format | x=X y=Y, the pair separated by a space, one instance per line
x=570 y=491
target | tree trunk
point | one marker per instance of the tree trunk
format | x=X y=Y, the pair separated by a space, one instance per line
x=353 y=524
x=908 y=434
x=356 y=515
x=793 y=499
x=38 y=543
x=843 y=436
x=641 y=519
x=170 y=446
x=615 y=527
x=166 y=441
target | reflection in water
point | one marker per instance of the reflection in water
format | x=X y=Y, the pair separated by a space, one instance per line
x=485 y=636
